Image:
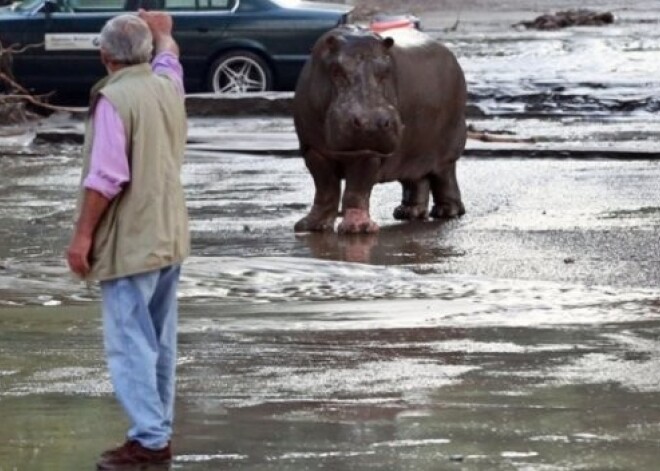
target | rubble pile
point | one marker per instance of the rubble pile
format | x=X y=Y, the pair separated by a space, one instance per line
x=565 y=19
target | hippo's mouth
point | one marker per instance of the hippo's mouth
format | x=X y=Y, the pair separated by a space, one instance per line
x=371 y=151
x=354 y=154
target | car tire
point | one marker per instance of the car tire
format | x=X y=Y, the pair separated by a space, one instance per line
x=239 y=72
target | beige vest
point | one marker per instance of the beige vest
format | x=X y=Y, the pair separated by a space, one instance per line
x=146 y=225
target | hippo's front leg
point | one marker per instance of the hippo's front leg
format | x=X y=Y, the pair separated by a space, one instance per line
x=361 y=176
x=321 y=218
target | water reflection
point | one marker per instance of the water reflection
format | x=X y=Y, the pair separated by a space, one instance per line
x=348 y=248
x=416 y=242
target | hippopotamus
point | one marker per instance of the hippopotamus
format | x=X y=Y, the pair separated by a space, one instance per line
x=371 y=108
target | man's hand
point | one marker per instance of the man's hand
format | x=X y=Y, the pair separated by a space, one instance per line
x=94 y=205
x=160 y=24
x=78 y=254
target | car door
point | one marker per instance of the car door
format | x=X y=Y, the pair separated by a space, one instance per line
x=71 y=43
x=199 y=27
x=66 y=59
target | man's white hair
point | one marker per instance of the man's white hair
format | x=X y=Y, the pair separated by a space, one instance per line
x=126 y=39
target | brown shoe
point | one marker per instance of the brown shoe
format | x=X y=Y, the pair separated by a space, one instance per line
x=132 y=453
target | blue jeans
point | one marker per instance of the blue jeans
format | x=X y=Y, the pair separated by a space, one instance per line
x=139 y=328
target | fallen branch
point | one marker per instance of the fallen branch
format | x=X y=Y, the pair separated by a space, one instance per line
x=35 y=101
x=7 y=77
x=17 y=49
x=6 y=62
x=13 y=83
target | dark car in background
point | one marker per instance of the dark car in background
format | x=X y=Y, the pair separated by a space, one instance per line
x=227 y=46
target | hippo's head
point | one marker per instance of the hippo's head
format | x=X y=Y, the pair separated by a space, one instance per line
x=363 y=111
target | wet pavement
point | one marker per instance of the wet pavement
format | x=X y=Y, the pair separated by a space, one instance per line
x=523 y=336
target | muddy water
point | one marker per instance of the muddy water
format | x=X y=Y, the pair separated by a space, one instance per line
x=526 y=219
x=517 y=381
x=587 y=71
x=522 y=337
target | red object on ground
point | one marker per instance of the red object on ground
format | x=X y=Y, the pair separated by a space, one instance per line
x=380 y=26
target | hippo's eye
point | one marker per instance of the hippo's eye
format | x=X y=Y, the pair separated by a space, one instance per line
x=336 y=70
x=381 y=69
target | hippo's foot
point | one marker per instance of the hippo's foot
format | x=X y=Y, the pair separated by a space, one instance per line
x=447 y=210
x=313 y=223
x=357 y=221
x=410 y=213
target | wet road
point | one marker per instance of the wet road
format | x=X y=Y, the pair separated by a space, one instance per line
x=530 y=377
x=524 y=336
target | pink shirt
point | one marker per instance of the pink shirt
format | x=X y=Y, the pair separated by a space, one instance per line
x=109 y=170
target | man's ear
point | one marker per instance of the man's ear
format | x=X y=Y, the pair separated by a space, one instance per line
x=107 y=61
x=104 y=57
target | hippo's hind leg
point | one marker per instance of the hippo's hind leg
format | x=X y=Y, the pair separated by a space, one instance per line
x=327 y=183
x=446 y=194
x=415 y=200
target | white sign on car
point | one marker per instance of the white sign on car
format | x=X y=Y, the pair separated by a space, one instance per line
x=72 y=41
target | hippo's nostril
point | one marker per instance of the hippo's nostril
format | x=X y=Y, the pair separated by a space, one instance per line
x=384 y=123
x=357 y=123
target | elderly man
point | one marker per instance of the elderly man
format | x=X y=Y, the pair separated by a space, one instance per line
x=132 y=228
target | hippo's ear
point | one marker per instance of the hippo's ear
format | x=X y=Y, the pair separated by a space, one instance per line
x=327 y=46
x=388 y=42
x=332 y=43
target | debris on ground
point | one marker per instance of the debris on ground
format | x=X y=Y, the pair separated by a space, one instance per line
x=565 y=19
x=500 y=136
x=17 y=104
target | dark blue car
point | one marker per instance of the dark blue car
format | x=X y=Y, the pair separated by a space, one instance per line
x=227 y=46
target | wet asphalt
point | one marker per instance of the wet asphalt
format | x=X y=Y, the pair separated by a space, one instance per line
x=522 y=336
